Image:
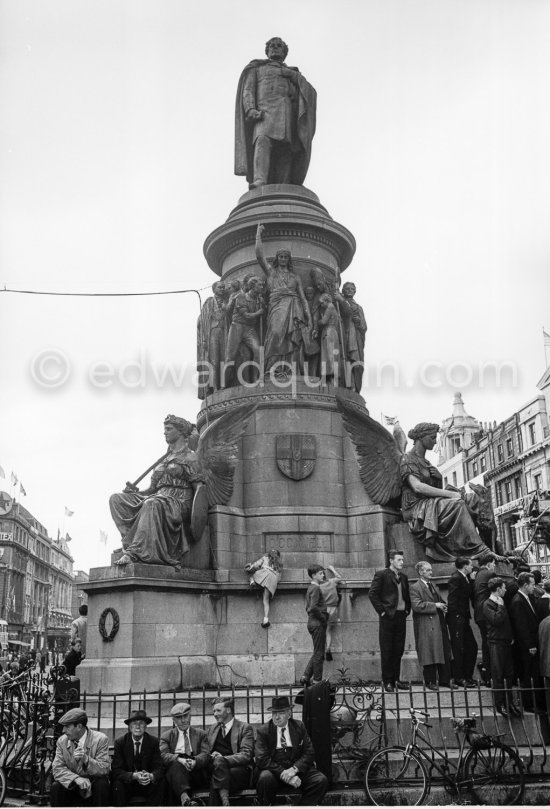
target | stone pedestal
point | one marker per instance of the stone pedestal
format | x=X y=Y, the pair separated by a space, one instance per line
x=201 y=625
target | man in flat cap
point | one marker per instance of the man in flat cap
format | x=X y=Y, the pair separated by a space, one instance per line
x=81 y=765
x=137 y=770
x=185 y=753
x=285 y=758
x=231 y=748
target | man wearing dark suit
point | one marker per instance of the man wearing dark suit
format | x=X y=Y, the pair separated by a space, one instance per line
x=285 y=758
x=500 y=637
x=463 y=643
x=481 y=594
x=231 y=750
x=137 y=771
x=185 y=753
x=526 y=626
x=389 y=595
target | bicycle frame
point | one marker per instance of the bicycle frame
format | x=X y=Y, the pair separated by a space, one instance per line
x=453 y=778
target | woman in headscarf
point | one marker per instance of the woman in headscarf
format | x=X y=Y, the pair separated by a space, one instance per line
x=438 y=517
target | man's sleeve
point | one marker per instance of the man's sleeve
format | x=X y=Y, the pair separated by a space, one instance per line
x=262 y=755
x=164 y=745
x=118 y=773
x=157 y=767
x=203 y=755
x=374 y=593
x=307 y=758
x=61 y=773
x=100 y=764
x=246 y=748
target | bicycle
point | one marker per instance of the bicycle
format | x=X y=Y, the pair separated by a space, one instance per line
x=487 y=770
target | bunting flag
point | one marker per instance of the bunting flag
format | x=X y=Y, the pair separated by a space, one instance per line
x=2 y=473
x=22 y=489
x=14 y=479
x=68 y=538
x=68 y=512
x=103 y=537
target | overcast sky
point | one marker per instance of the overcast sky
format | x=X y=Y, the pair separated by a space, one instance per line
x=116 y=159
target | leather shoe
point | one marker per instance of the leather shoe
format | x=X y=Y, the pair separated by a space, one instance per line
x=389 y=687
x=431 y=686
x=471 y=684
x=461 y=683
x=401 y=685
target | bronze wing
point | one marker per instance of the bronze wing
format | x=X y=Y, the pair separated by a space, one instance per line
x=376 y=452
x=217 y=450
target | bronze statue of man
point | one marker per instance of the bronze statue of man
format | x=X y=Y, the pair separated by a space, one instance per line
x=274 y=120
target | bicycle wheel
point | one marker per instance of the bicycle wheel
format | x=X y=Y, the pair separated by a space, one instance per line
x=494 y=775
x=2 y=786
x=396 y=778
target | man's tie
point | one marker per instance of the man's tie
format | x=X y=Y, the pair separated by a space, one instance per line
x=187 y=744
x=224 y=731
x=137 y=755
x=283 y=739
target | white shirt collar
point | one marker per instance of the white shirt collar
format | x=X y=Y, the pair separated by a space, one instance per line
x=229 y=725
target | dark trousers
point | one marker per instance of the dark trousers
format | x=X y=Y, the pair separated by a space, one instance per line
x=101 y=794
x=313 y=787
x=314 y=667
x=437 y=673
x=391 y=634
x=179 y=780
x=153 y=794
x=532 y=692
x=222 y=776
x=464 y=647
x=485 y=655
x=502 y=672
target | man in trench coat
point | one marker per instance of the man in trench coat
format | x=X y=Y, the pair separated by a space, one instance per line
x=431 y=635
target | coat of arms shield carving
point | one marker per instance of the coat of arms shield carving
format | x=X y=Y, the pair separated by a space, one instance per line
x=296 y=455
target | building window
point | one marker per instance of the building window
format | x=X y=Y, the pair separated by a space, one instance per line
x=483 y=462
x=520 y=441
x=537 y=479
x=509 y=447
x=508 y=487
x=532 y=433
x=474 y=469
x=498 y=494
x=518 y=487
x=500 y=453
x=454 y=478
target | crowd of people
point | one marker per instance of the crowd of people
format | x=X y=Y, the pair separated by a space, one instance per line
x=512 y=615
x=223 y=758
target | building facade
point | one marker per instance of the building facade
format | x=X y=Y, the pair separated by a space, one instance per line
x=36 y=581
x=511 y=458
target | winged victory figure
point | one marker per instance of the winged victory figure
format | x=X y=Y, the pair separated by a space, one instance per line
x=441 y=519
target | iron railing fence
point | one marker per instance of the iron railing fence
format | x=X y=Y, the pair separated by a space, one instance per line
x=363 y=718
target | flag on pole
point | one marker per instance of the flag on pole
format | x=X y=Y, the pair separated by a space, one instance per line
x=14 y=479
x=68 y=512
x=67 y=537
x=546 y=337
x=103 y=537
x=2 y=473
x=22 y=489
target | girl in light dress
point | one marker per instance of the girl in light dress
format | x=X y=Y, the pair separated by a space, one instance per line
x=266 y=573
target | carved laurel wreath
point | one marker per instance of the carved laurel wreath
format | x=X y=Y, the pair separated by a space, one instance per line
x=108 y=636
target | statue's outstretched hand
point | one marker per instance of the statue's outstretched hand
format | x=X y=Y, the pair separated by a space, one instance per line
x=260 y=230
x=130 y=487
x=254 y=115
